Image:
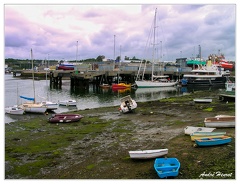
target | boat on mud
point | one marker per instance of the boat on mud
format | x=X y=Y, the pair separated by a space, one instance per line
x=212 y=141
x=127 y=104
x=65 y=118
x=220 y=121
x=191 y=129
x=148 y=154
x=167 y=167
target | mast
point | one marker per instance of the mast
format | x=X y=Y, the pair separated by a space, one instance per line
x=33 y=77
x=77 y=52
x=154 y=27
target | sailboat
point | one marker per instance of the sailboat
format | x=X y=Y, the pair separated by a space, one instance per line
x=31 y=106
x=156 y=81
x=14 y=109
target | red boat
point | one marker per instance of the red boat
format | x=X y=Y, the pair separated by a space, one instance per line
x=226 y=65
x=121 y=86
x=64 y=118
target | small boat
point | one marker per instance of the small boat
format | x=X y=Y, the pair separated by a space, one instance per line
x=127 y=104
x=220 y=122
x=121 y=86
x=68 y=102
x=14 y=110
x=167 y=167
x=190 y=129
x=202 y=100
x=64 y=118
x=50 y=105
x=104 y=86
x=212 y=141
x=147 y=154
x=30 y=107
x=199 y=135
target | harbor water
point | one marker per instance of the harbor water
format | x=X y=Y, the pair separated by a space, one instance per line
x=93 y=97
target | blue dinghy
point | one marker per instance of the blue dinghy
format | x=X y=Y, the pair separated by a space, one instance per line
x=213 y=141
x=167 y=167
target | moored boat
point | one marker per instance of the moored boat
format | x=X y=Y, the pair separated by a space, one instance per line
x=64 y=118
x=68 y=102
x=148 y=154
x=213 y=141
x=50 y=105
x=121 y=86
x=167 y=167
x=127 y=104
x=14 y=110
x=220 y=122
x=191 y=129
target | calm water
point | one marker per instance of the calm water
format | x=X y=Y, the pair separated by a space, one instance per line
x=92 y=98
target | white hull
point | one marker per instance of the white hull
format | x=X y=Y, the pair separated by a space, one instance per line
x=127 y=104
x=68 y=103
x=190 y=129
x=33 y=108
x=14 y=110
x=146 y=154
x=202 y=100
x=154 y=84
x=50 y=105
x=220 y=121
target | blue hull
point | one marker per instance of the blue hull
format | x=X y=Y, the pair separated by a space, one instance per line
x=167 y=167
x=212 y=141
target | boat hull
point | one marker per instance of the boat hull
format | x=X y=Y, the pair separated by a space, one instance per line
x=220 y=122
x=213 y=141
x=154 y=84
x=148 y=154
x=68 y=103
x=14 y=110
x=33 y=108
x=167 y=167
x=127 y=104
x=121 y=86
x=190 y=129
x=65 y=118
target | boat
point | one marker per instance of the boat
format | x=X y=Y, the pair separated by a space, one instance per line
x=202 y=100
x=50 y=105
x=65 y=66
x=191 y=129
x=212 y=141
x=127 y=104
x=167 y=167
x=31 y=106
x=209 y=75
x=121 y=85
x=67 y=102
x=156 y=81
x=220 y=122
x=199 y=135
x=14 y=110
x=147 y=154
x=104 y=86
x=64 y=118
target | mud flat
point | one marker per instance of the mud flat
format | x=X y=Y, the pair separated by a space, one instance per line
x=97 y=146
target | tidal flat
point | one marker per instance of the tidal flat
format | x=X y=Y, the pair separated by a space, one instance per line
x=97 y=146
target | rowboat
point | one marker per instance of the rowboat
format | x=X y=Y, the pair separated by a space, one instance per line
x=68 y=103
x=64 y=118
x=190 y=129
x=197 y=135
x=14 y=110
x=220 y=121
x=202 y=100
x=147 y=154
x=213 y=141
x=121 y=86
x=127 y=104
x=167 y=167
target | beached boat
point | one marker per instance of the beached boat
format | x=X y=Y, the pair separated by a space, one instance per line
x=220 y=122
x=167 y=167
x=148 y=154
x=127 y=104
x=64 y=118
x=67 y=102
x=200 y=135
x=14 y=110
x=191 y=129
x=212 y=141
x=50 y=105
x=202 y=100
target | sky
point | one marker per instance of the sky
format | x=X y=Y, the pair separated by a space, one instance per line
x=82 y=31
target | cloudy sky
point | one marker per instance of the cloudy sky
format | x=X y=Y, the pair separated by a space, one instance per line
x=70 y=32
